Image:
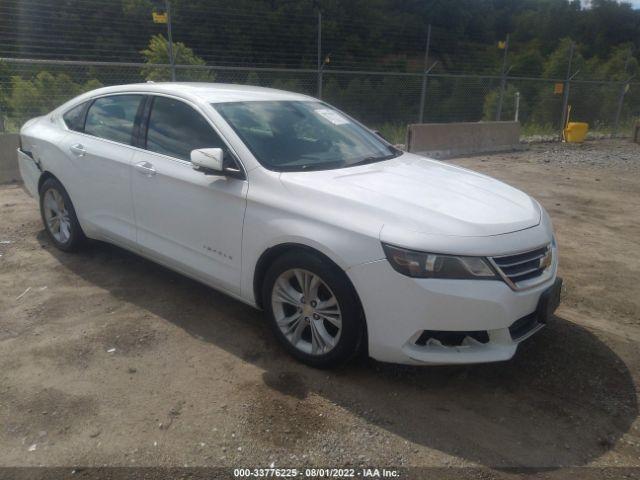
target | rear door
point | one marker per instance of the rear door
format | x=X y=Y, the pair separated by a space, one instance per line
x=100 y=147
x=185 y=218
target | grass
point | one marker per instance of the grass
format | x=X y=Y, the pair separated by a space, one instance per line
x=394 y=133
x=10 y=125
x=530 y=129
x=625 y=129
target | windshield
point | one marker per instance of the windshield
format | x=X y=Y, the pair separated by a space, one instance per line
x=298 y=135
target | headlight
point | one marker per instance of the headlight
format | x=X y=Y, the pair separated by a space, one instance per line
x=432 y=265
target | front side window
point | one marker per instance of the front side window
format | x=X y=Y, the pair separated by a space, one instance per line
x=303 y=135
x=175 y=129
x=113 y=117
x=74 y=118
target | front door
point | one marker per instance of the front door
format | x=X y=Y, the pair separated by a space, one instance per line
x=186 y=219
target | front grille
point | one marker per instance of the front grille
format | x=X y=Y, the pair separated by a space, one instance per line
x=523 y=266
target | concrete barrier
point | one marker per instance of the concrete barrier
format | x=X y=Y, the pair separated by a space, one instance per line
x=442 y=140
x=8 y=159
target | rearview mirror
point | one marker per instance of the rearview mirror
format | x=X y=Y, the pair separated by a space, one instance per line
x=377 y=132
x=207 y=159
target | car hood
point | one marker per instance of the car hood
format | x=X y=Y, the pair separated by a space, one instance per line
x=421 y=195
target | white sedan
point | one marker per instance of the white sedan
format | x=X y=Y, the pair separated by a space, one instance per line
x=283 y=202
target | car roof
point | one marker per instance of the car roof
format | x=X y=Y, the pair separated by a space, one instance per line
x=207 y=92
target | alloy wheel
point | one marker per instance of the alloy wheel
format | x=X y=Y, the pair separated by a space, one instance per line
x=57 y=216
x=306 y=311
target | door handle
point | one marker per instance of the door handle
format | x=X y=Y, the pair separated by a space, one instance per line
x=78 y=150
x=146 y=168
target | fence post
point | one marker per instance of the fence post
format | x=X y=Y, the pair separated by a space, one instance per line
x=172 y=60
x=320 y=62
x=423 y=93
x=623 y=91
x=503 y=80
x=565 y=97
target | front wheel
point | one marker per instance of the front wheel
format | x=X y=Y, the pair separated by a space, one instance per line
x=59 y=216
x=313 y=309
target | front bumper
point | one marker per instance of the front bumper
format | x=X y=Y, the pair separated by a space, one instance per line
x=400 y=309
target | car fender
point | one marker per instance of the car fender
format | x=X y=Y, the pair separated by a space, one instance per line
x=341 y=246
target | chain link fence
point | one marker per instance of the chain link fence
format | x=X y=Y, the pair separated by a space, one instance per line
x=398 y=79
x=386 y=101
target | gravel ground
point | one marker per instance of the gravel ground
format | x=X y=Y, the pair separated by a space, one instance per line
x=621 y=155
x=108 y=359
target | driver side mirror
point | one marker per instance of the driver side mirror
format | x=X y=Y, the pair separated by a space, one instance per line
x=208 y=160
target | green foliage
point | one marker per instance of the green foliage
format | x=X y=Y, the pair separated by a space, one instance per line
x=359 y=35
x=366 y=33
x=4 y=92
x=556 y=64
x=33 y=97
x=394 y=133
x=373 y=100
x=290 y=84
x=508 y=105
x=528 y=61
x=594 y=103
x=530 y=129
x=157 y=52
x=621 y=64
x=253 y=79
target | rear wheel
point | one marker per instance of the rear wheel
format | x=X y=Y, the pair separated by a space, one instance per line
x=313 y=309
x=59 y=216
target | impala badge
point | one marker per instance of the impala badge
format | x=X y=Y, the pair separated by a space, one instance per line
x=217 y=252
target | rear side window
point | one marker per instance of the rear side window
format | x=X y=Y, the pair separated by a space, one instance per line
x=175 y=129
x=74 y=118
x=113 y=117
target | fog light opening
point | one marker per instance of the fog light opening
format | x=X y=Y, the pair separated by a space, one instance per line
x=447 y=338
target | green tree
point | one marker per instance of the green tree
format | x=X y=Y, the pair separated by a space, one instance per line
x=555 y=65
x=253 y=79
x=508 y=105
x=547 y=108
x=291 y=84
x=157 y=52
x=33 y=97
x=4 y=93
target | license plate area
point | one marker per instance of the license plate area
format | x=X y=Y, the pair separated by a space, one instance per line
x=549 y=302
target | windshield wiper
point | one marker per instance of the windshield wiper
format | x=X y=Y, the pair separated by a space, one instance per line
x=367 y=160
x=306 y=167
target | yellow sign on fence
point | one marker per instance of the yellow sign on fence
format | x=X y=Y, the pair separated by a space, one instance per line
x=159 y=17
x=558 y=88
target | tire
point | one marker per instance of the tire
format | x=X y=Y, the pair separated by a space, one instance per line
x=56 y=204
x=320 y=343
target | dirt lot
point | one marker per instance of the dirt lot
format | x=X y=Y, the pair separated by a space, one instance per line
x=196 y=378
